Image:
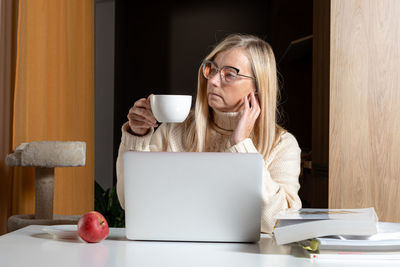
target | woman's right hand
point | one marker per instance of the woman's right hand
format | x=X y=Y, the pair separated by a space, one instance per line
x=141 y=117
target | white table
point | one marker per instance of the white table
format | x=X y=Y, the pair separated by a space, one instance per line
x=30 y=246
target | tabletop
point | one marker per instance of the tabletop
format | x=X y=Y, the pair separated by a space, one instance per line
x=31 y=246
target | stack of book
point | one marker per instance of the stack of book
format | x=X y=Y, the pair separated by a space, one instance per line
x=339 y=234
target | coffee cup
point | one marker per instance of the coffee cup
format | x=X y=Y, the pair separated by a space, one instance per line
x=170 y=108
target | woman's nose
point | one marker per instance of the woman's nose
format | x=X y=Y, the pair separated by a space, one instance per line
x=216 y=80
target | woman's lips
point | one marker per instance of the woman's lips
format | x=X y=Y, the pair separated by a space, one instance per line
x=214 y=94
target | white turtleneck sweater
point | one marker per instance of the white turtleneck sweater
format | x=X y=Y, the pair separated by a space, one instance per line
x=280 y=184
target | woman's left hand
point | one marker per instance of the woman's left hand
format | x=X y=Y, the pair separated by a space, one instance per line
x=246 y=123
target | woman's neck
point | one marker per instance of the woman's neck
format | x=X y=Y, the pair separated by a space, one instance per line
x=225 y=121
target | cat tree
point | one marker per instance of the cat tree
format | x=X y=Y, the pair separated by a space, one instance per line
x=45 y=156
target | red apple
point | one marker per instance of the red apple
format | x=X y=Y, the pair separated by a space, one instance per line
x=93 y=227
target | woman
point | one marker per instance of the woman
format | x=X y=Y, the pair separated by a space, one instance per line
x=235 y=112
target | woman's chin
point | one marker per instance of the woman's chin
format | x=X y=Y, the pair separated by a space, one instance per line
x=215 y=102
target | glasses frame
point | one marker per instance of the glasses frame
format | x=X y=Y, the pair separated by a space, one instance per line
x=220 y=69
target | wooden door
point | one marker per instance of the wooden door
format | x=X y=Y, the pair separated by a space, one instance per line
x=364 y=124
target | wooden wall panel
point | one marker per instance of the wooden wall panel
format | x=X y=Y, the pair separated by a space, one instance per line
x=54 y=96
x=320 y=104
x=320 y=86
x=8 y=33
x=364 y=167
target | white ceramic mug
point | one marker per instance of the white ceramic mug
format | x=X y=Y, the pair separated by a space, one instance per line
x=170 y=108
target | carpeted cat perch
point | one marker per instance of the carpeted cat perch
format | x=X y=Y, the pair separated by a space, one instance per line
x=45 y=156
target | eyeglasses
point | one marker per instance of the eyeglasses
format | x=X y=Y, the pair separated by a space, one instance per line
x=228 y=74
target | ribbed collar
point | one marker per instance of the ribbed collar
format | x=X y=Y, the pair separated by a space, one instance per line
x=225 y=122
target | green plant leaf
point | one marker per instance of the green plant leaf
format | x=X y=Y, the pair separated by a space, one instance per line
x=107 y=203
x=99 y=201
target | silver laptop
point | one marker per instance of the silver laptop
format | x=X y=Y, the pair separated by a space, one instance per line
x=188 y=196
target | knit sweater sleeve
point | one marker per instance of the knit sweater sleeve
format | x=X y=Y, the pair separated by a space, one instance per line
x=280 y=183
x=152 y=141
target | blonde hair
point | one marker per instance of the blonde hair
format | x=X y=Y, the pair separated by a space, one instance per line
x=266 y=131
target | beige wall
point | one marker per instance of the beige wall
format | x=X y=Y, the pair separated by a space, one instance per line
x=364 y=124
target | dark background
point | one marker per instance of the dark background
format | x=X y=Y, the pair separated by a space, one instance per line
x=159 y=48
